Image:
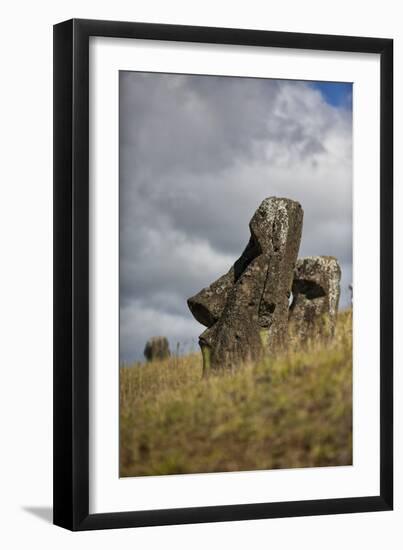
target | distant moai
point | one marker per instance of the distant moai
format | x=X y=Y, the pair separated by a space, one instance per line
x=316 y=293
x=247 y=311
x=157 y=348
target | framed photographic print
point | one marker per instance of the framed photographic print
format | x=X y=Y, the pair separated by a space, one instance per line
x=223 y=248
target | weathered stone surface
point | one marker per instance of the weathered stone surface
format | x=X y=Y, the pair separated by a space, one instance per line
x=157 y=348
x=246 y=310
x=208 y=304
x=316 y=292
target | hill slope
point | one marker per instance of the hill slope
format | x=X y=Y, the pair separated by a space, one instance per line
x=291 y=411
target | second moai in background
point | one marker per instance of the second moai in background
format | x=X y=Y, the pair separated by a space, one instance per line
x=316 y=293
x=157 y=348
x=246 y=310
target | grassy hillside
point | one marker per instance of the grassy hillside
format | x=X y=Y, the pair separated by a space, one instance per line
x=291 y=411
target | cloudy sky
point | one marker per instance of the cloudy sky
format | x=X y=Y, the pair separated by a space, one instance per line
x=197 y=156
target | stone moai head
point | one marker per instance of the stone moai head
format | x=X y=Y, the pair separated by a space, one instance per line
x=316 y=292
x=157 y=348
x=246 y=310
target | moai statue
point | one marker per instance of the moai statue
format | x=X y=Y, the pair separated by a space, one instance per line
x=316 y=292
x=157 y=348
x=246 y=310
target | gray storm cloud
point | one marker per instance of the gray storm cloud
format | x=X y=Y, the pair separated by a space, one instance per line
x=197 y=156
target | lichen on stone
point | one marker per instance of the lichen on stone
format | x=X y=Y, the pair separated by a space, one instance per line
x=248 y=312
x=249 y=305
x=316 y=293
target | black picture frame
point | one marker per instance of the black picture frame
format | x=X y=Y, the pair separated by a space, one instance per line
x=71 y=274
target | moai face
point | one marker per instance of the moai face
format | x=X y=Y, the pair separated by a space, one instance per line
x=316 y=292
x=246 y=310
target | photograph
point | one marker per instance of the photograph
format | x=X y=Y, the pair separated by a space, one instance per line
x=235 y=274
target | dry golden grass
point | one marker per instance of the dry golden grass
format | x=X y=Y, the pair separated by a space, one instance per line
x=291 y=411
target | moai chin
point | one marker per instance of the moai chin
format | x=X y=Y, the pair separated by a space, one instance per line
x=246 y=310
x=316 y=292
x=157 y=348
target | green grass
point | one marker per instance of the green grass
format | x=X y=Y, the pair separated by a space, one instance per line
x=291 y=411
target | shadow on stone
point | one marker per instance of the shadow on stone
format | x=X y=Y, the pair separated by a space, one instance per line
x=246 y=310
x=316 y=293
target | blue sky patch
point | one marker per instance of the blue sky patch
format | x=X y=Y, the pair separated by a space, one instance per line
x=337 y=94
